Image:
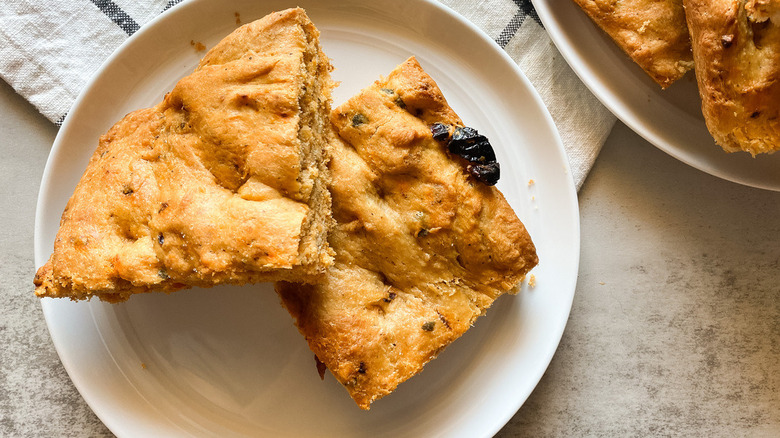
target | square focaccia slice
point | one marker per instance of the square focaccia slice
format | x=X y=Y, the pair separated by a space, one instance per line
x=423 y=245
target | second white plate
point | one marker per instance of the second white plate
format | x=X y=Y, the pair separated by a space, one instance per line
x=670 y=119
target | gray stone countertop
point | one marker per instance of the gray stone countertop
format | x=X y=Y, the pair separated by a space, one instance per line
x=675 y=328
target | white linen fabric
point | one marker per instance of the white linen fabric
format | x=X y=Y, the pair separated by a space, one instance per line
x=49 y=50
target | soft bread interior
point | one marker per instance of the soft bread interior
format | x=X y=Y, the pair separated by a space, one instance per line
x=314 y=133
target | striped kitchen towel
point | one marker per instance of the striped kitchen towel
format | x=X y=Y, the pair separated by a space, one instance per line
x=50 y=49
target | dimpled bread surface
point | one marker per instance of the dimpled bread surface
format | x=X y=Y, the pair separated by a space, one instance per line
x=736 y=46
x=224 y=181
x=422 y=248
x=652 y=32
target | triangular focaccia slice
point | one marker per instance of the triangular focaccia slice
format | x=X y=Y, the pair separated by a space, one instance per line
x=222 y=182
x=652 y=32
x=422 y=248
x=736 y=46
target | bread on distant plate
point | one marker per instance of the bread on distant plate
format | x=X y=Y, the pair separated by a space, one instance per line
x=424 y=243
x=652 y=32
x=736 y=46
x=224 y=181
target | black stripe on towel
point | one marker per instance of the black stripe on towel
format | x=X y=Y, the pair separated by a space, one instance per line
x=171 y=3
x=117 y=15
x=528 y=9
x=511 y=29
x=524 y=10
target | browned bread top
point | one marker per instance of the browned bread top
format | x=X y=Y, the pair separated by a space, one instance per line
x=422 y=248
x=652 y=32
x=736 y=46
x=221 y=182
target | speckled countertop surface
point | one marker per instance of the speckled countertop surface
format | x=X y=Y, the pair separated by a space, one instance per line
x=675 y=328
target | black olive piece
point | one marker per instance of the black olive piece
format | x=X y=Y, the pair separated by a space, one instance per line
x=465 y=133
x=487 y=173
x=440 y=131
x=471 y=145
x=428 y=326
x=359 y=119
x=479 y=152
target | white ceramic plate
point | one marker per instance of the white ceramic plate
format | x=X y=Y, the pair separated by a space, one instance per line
x=228 y=361
x=670 y=119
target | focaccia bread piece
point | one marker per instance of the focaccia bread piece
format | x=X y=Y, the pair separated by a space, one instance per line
x=224 y=181
x=736 y=46
x=422 y=247
x=652 y=32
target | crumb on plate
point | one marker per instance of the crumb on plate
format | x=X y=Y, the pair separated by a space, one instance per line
x=199 y=47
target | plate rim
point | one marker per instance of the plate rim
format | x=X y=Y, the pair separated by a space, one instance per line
x=622 y=110
x=41 y=253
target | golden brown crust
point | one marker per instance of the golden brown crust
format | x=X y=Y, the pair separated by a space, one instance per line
x=737 y=52
x=216 y=184
x=652 y=32
x=422 y=249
